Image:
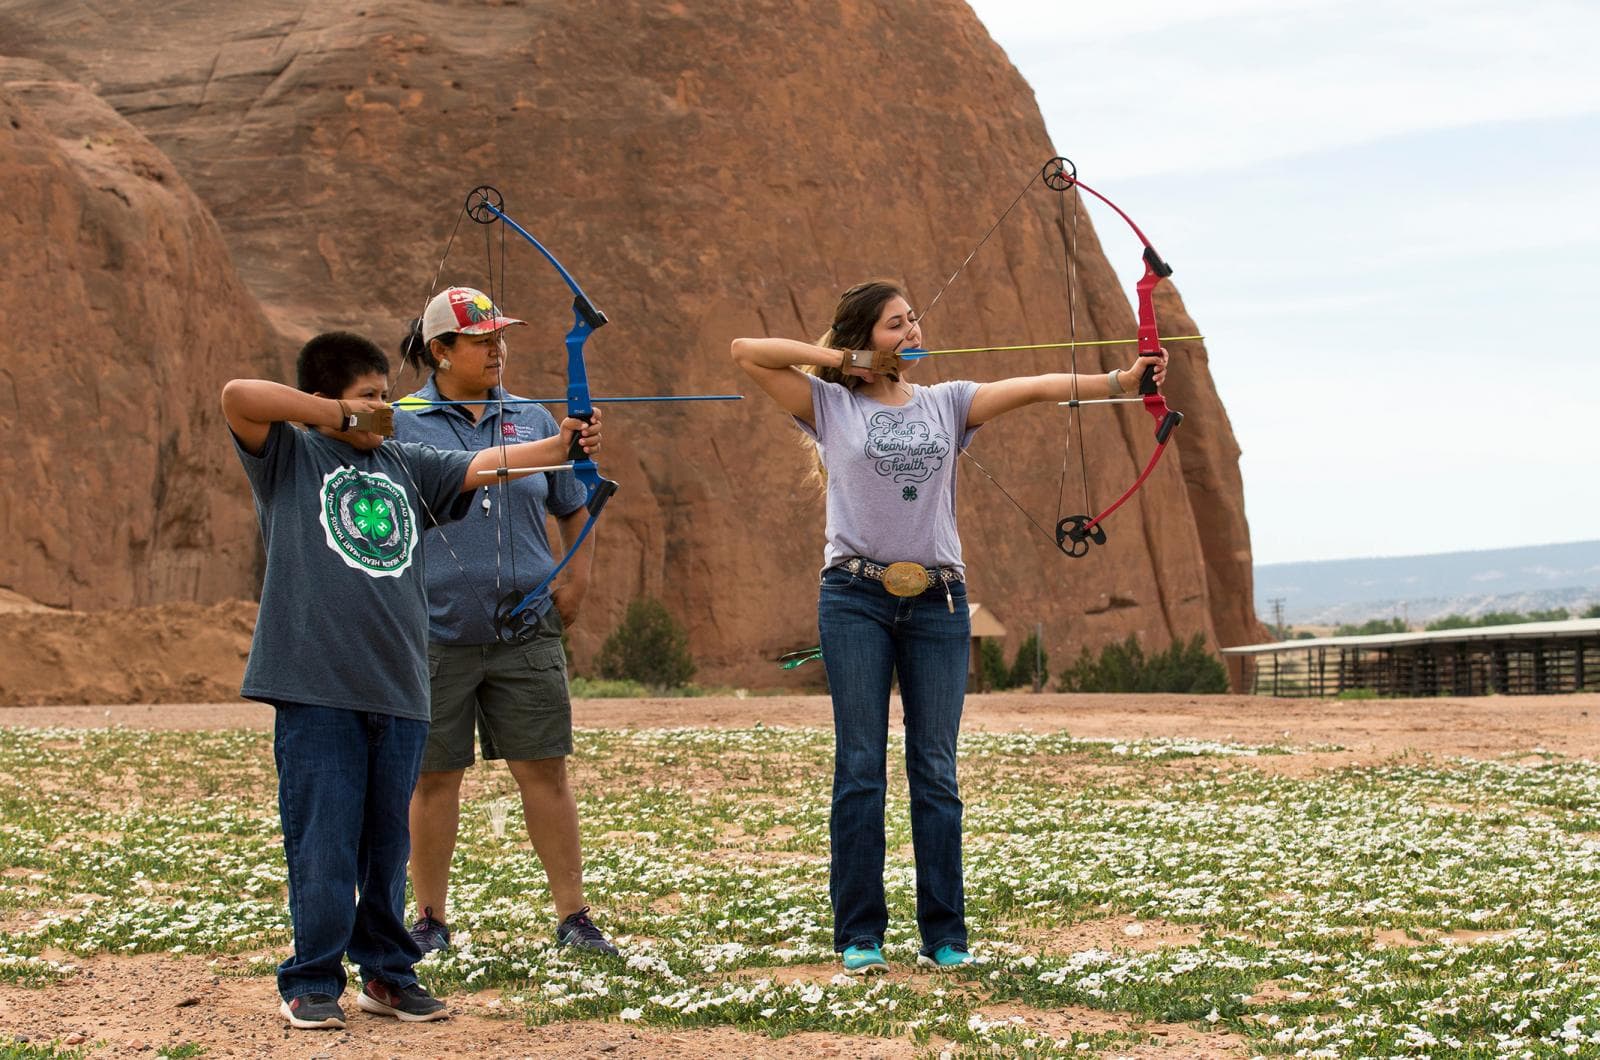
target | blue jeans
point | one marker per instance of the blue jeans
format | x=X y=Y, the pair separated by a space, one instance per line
x=869 y=636
x=344 y=789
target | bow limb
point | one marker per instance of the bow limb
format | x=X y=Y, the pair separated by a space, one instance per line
x=485 y=206
x=1075 y=533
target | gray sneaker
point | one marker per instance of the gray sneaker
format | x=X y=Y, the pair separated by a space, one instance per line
x=430 y=934
x=579 y=932
x=313 y=1012
x=411 y=1004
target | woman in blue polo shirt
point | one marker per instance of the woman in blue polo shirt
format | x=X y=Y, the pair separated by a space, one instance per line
x=892 y=602
x=512 y=694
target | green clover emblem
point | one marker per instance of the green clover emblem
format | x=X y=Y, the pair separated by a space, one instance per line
x=909 y=493
x=373 y=517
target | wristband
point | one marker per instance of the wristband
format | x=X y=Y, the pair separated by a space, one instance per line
x=1114 y=381
x=347 y=419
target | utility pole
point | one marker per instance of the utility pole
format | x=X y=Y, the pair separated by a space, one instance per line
x=1277 y=615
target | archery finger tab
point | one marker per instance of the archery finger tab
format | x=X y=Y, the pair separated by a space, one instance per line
x=374 y=421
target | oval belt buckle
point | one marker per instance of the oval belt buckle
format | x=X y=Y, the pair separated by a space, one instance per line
x=906 y=579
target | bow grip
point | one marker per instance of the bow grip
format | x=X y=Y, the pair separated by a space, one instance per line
x=1147 y=380
x=575 y=447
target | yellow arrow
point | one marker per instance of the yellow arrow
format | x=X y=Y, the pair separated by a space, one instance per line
x=912 y=355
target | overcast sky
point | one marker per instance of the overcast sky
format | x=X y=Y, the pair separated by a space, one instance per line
x=1383 y=217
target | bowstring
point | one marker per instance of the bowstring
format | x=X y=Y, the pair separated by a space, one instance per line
x=496 y=298
x=1068 y=245
x=438 y=524
x=1075 y=416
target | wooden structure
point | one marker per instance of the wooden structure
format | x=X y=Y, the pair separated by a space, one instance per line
x=1521 y=659
x=984 y=624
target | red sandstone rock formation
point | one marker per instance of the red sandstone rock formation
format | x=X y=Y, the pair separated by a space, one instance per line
x=122 y=317
x=706 y=171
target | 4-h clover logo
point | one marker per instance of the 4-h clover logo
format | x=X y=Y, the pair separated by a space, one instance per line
x=371 y=516
x=909 y=493
x=368 y=521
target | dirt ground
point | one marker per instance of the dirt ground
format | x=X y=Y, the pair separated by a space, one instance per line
x=135 y=1006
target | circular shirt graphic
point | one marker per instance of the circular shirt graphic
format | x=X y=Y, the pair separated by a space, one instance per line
x=368 y=522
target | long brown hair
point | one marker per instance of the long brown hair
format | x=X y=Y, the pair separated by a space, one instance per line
x=854 y=318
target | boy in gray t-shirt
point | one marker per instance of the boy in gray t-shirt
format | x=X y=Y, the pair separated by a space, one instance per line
x=340 y=650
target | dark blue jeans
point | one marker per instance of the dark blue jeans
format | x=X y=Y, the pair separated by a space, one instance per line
x=869 y=636
x=344 y=789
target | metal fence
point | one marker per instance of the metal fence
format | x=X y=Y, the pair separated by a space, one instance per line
x=1521 y=660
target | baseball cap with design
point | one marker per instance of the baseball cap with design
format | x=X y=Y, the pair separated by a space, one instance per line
x=464 y=309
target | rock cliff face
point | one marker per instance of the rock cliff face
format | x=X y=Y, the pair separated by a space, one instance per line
x=706 y=171
x=122 y=317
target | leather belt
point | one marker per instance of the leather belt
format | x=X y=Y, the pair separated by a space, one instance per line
x=904 y=579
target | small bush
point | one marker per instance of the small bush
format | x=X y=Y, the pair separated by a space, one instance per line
x=649 y=647
x=1030 y=656
x=600 y=688
x=1372 y=628
x=992 y=665
x=1503 y=618
x=1124 y=668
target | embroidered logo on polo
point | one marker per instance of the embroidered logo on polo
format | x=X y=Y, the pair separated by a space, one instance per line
x=368 y=522
x=905 y=451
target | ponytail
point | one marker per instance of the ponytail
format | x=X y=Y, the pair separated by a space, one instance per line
x=418 y=353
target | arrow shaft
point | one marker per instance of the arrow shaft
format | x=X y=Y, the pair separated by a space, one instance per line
x=917 y=354
x=403 y=404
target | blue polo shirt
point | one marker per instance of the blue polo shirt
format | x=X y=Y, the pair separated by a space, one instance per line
x=501 y=546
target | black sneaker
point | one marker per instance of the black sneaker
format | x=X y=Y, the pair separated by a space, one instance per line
x=313 y=1012
x=579 y=932
x=430 y=934
x=409 y=1003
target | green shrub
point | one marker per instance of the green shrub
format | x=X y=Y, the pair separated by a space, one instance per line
x=600 y=688
x=1023 y=666
x=992 y=665
x=1504 y=618
x=1124 y=668
x=649 y=647
x=1375 y=626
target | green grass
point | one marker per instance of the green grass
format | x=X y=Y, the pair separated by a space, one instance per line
x=1414 y=908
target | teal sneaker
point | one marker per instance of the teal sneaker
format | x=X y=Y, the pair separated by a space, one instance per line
x=946 y=958
x=864 y=960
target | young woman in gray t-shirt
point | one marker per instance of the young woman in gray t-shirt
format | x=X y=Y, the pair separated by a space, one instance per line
x=893 y=592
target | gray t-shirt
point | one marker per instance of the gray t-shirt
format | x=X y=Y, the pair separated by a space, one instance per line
x=892 y=472
x=344 y=618
x=502 y=545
